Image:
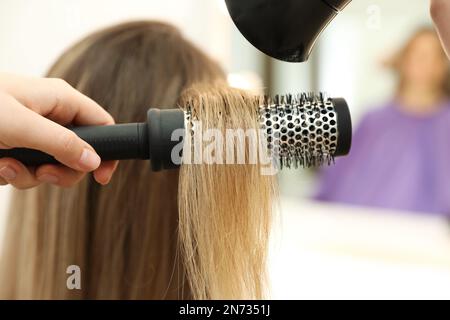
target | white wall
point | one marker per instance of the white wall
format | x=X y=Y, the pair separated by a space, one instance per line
x=34 y=32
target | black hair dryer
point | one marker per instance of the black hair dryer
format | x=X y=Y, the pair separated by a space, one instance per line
x=284 y=29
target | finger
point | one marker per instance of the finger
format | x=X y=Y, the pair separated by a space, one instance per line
x=16 y=174
x=22 y=127
x=3 y=182
x=58 y=175
x=58 y=101
x=66 y=105
x=104 y=173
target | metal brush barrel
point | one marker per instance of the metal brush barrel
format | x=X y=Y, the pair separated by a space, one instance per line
x=306 y=130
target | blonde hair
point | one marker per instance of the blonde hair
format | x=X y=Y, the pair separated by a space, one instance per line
x=198 y=232
x=225 y=210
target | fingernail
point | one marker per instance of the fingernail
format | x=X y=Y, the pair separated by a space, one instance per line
x=89 y=159
x=8 y=173
x=48 y=178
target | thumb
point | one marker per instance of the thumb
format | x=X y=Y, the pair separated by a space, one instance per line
x=31 y=130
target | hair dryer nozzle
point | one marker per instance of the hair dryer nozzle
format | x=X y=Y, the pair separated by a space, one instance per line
x=284 y=29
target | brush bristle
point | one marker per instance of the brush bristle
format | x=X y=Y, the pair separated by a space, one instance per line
x=301 y=129
x=299 y=99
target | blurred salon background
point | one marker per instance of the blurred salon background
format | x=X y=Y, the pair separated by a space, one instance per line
x=376 y=224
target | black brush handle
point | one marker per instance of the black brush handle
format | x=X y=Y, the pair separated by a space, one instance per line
x=115 y=142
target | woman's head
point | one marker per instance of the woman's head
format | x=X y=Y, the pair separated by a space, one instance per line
x=126 y=237
x=123 y=236
x=422 y=64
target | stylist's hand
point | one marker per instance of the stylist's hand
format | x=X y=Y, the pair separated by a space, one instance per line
x=440 y=11
x=33 y=113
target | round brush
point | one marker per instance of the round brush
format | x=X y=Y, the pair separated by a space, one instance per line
x=303 y=130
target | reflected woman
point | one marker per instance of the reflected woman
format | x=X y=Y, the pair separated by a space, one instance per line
x=400 y=157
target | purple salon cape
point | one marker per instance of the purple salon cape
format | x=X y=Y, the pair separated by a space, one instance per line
x=397 y=161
